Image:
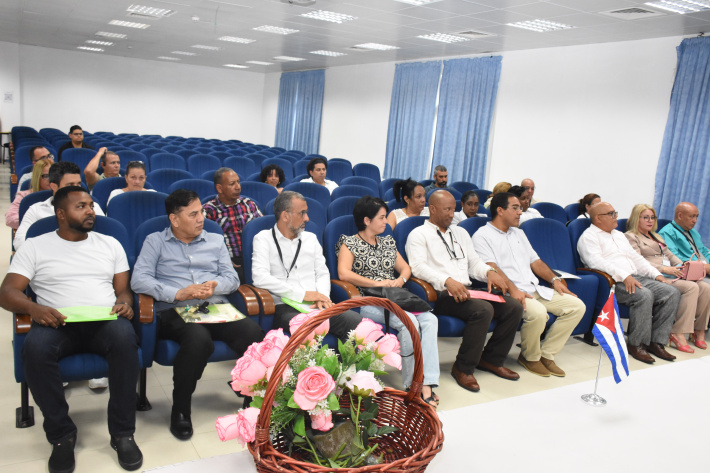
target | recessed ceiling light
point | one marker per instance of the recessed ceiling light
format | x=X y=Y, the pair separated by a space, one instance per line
x=100 y=43
x=275 y=29
x=418 y=2
x=150 y=11
x=184 y=53
x=168 y=58
x=236 y=66
x=328 y=53
x=288 y=58
x=540 y=26
x=87 y=48
x=106 y=34
x=329 y=16
x=235 y=39
x=210 y=48
x=129 y=24
x=260 y=63
x=681 y=6
x=443 y=37
x=376 y=46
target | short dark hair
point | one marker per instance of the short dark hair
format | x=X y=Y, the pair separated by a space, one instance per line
x=62 y=195
x=517 y=191
x=282 y=203
x=73 y=128
x=217 y=177
x=312 y=164
x=367 y=206
x=135 y=165
x=467 y=195
x=35 y=148
x=500 y=200
x=266 y=171
x=58 y=170
x=178 y=199
x=404 y=189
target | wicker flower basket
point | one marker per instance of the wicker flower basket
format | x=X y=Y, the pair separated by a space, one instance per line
x=410 y=449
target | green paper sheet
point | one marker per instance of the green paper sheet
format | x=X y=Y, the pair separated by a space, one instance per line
x=87 y=313
x=303 y=307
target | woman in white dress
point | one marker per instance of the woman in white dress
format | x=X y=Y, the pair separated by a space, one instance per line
x=135 y=180
x=412 y=194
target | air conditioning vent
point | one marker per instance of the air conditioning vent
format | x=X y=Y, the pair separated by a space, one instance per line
x=471 y=34
x=300 y=3
x=631 y=13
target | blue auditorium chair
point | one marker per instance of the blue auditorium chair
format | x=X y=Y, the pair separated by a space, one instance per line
x=482 y=195
x=259 y=192
x=472 y=224
x=198 y=164
x=131 y=155
x=167 y=161
x=621 y=224
x=342 y=206
x=185 y=153
x=284 y=164
x=463 y=186
x=392 y=204
x=551 y=210
x=30 y=199
x=367 y=170
x=386 y=185
x=572 y=211
x=312 y=190
x=203 y=187
x=172 y=148
x=221 y=155
x=426 y=182
x=343 y=191
x=134 y=208
x=362 y=181
x=300 y=167
x=241 y=165
x=339 y=169
x=161 y=179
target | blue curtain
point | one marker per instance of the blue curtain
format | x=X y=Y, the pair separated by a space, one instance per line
x=467 y=100
x=411 y=122
x=683 y=172
x=300 y=110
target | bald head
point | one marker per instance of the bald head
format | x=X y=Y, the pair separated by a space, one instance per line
x=603 y=216
x=529 y=186
x=442 y=206
x=686 y=215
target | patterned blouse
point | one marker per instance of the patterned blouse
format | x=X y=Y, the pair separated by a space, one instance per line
x=372 y=262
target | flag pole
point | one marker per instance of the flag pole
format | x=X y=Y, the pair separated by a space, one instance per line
x=594 y=399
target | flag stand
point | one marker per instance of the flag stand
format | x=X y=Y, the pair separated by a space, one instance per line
x=594 y=399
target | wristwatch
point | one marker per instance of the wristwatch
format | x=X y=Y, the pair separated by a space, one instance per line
x=491 y=268
x=404 y=279
x=556 y=278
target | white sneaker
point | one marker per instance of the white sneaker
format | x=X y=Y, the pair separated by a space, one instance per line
x=98 y=383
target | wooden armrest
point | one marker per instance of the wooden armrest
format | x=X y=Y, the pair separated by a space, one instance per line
x=250 y=300
x=265 y=299
x=349 y=288
x=13 y=179
x=145 y=308
x=428 y=289
x=609 y=280
x=23 y=323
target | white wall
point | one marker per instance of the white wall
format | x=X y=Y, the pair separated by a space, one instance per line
x=10 y=82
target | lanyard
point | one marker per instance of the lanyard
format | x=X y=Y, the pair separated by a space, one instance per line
x=293 y=263
x=452 y=250
x=690 y=240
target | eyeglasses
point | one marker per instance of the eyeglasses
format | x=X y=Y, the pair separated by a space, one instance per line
x=49 y=156
x=612 y=214
x=134 y=162
x=649 y=218
x=302 y=213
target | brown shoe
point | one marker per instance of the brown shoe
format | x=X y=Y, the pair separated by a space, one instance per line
x=658 y=350
x=500 y=371
x=552 y=367
x=535 y=367
x=640 y=353
x=466 y=381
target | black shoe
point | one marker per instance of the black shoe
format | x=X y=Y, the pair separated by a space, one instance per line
x=180 y=425
x=129 y=455
x=62 y=458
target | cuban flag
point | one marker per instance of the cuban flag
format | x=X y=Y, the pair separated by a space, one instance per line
x=610 y=335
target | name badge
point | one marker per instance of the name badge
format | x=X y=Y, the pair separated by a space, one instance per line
x=666 y=262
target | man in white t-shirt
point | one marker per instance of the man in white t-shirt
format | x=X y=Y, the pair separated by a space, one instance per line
x=76 y=267
x=318 y=168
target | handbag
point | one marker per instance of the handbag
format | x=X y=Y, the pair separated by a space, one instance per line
x=400 y=296
x=692 y=270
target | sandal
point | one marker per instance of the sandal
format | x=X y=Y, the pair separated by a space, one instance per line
x=431 y=401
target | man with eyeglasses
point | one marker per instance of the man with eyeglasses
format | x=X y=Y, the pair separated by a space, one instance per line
x=683 y=239
x=503 y=246
x=76 y=136
x=444 y=256
x=529 y=186
x=110 y=163
x=652 y=301
x=36 y=153
x=288 y=262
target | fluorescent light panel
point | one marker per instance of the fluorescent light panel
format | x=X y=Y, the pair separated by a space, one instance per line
x=328 y=53
x=260 y=63
x=681 y=6
x=87 y=48
x=275 y=30
x=106 y=34
x=540 y=26
x=168 y=58
x=288 y=58
x=184 y=53
x=418 y=3
x=443 y=37
x=235 y=39
x=129 y=24
x=209 y=48
x=100 y=43
x=150 y=11
x=376 y=46
x=328 y=16
x=236 y=66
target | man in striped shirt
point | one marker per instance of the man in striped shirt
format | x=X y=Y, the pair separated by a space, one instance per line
x=231 y=212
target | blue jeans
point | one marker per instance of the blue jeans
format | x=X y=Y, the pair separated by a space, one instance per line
x=115 y=340
x=428 y=327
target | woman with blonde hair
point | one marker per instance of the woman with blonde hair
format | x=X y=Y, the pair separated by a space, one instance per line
x=694 y=307
x=500 y=187
x=39 y=182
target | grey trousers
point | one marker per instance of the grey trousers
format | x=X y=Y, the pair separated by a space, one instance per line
x=652 y=310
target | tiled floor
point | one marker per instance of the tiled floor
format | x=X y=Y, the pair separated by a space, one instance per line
x=26 y=450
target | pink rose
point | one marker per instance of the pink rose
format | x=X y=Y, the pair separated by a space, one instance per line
x=368 y=331
x=388 y=346
x=284 y=377
x=363 y=383
x=322 y=421
x=314 y=384
x=248 y=371
x=278 y=337
x=295 y=323
x=268 y=352
x=241 y=426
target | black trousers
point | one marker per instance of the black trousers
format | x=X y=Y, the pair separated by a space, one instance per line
x=478 y=314
x=196 y=347
x=340 y=325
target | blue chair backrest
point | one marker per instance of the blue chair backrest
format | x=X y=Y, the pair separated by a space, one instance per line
x=299 y=167
x=362 y=181
x=139 y=146
x=389 y=195
x=393 y=204
x=402 y=230
x=167 y=161
x=342 y=206
x=426 y=182
x=551 y=242
x=339 y=170
x=482 y=195
x=30 y=199
x=103 y=188
x=103 y=225
x=134 y=208
x=80 y=156
x=662 y=222
x=621 y=224
x=203 y=187
x=172 y=148
x=241 y=165
x=160 y=223
x=149 y=153
x=551 y=210
x=312 y=190
x=386 y=185
x=259 y=192
x=316 y=213
x=572 y=211
x=197 y=164
x=221 y=155
x=185 y=153
x=284 y=164
x=575 y=228
x=343 y=191
x=463 y=186
x=161 y=179
x=258 y=159
x=209 y=176
x=128 y=156
x=367 y=170
x=472 y=224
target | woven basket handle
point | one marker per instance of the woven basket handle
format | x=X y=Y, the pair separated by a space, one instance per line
x=305 y=329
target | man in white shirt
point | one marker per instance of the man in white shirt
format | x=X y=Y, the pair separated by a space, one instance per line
x=36 y=153
x=502 y=245
x=528 y=186
x=651 y=299
x=76 y=267
x=443 y=255
x=523 y=196
x=318 y=168
x=61 y=174
x=288 y=262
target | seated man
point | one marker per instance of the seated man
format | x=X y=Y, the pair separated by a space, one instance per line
x=76 y=136
x=110 y=162
x=76 y=267
x=524 y=199
x=317 y=168
x=231 y=212
x=185 y=265
x=36 y=153
x=682 y=238
x=441 y=177
x=60 y=175
x=502 y=245
x=289 y=262
x=529 y=186
x=443 y=255
x=651 y=299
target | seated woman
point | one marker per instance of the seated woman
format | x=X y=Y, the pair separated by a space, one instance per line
x=694 y=307
x=469 y=208
x=585 y=203
x=273 y=175
x=412 y=194
x=367 y=260
x=500 y=187
x=135 y=180
x=39 y=182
